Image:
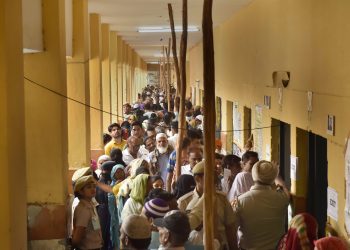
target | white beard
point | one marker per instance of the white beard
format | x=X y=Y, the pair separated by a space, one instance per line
x=162 y=150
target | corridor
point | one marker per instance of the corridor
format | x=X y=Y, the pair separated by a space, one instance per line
x=70 y=70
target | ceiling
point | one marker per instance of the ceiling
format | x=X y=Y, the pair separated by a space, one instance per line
x=126 y=16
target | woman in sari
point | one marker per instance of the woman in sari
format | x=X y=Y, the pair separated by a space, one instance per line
x=117 y=176
x=141 y=185
x=301 y=234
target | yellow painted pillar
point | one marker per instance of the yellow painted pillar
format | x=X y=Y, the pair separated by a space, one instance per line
x=78 y=89
x=13 y=210
x=46 y=132
x=125 y=75
x=121 y=76
x=129 y=73
x=95 y=84
x=106 y=78
x=114 y=74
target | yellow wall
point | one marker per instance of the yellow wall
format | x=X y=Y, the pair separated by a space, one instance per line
x=120 y=79
x=34 y=116
x=95 y=82
x=131 y=74
x=46 y=113
x=106 y=77
x=308 y=38
x=114 y=75
x=13 y=217
x=78 y=89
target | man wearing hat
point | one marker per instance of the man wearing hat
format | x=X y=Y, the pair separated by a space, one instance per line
x=174 y=230
x=81 y=172
x=199 y=122
x=218 y=147
x=224 y=218
x=135 y=232
x=260 y=213
x=187 y=201
x=86 y=225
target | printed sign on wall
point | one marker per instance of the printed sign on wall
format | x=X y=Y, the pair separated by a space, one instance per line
x=332 y=203
x=294 y=168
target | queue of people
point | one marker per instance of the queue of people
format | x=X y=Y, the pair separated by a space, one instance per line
x=132 y=198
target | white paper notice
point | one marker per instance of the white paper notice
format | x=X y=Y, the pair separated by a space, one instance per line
x=227 y=174
x=294 y=168
x=332 y=203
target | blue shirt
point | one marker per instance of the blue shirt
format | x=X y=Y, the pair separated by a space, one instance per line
x=171 y=162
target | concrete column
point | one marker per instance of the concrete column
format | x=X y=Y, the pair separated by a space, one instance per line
x=106 y=78
x=114 y=74
x=95 y=85
x=132 y=71
x=46 y=133
x=128 y=72
x=125 y=73
x=13 y=217
x=121 y=76
x=78 y=89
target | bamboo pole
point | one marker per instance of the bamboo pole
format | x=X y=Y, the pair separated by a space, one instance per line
x=169 y=76
x=165 y=81
x=209 y=123
x=174 y=49
x=182 y=120
x=160 y=73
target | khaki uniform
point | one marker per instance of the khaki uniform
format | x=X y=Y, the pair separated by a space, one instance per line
x=224 y=216
x=188 y=201
x=260 y=214
x=85 y=215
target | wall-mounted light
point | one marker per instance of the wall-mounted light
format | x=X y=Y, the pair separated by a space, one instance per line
x=165 y=29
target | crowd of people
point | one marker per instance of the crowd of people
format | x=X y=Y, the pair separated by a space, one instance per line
x=133 y=199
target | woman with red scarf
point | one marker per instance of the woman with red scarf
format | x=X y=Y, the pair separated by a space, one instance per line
x=301 y=234
x=329 y=243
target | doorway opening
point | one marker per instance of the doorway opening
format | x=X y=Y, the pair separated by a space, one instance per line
x=229 y=126
x=247 y=123
x=280 y=148
x=317 y=180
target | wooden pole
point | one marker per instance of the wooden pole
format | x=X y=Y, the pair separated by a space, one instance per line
x=162 y=60
x=182 y=120
x=169 y=76
x=174 y=49
x=209 y=123
x=160 y=73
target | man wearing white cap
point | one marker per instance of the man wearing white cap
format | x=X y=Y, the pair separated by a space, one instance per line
x=199 y=122
x=135 y=232
x=160 y=156
x=260 y=213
